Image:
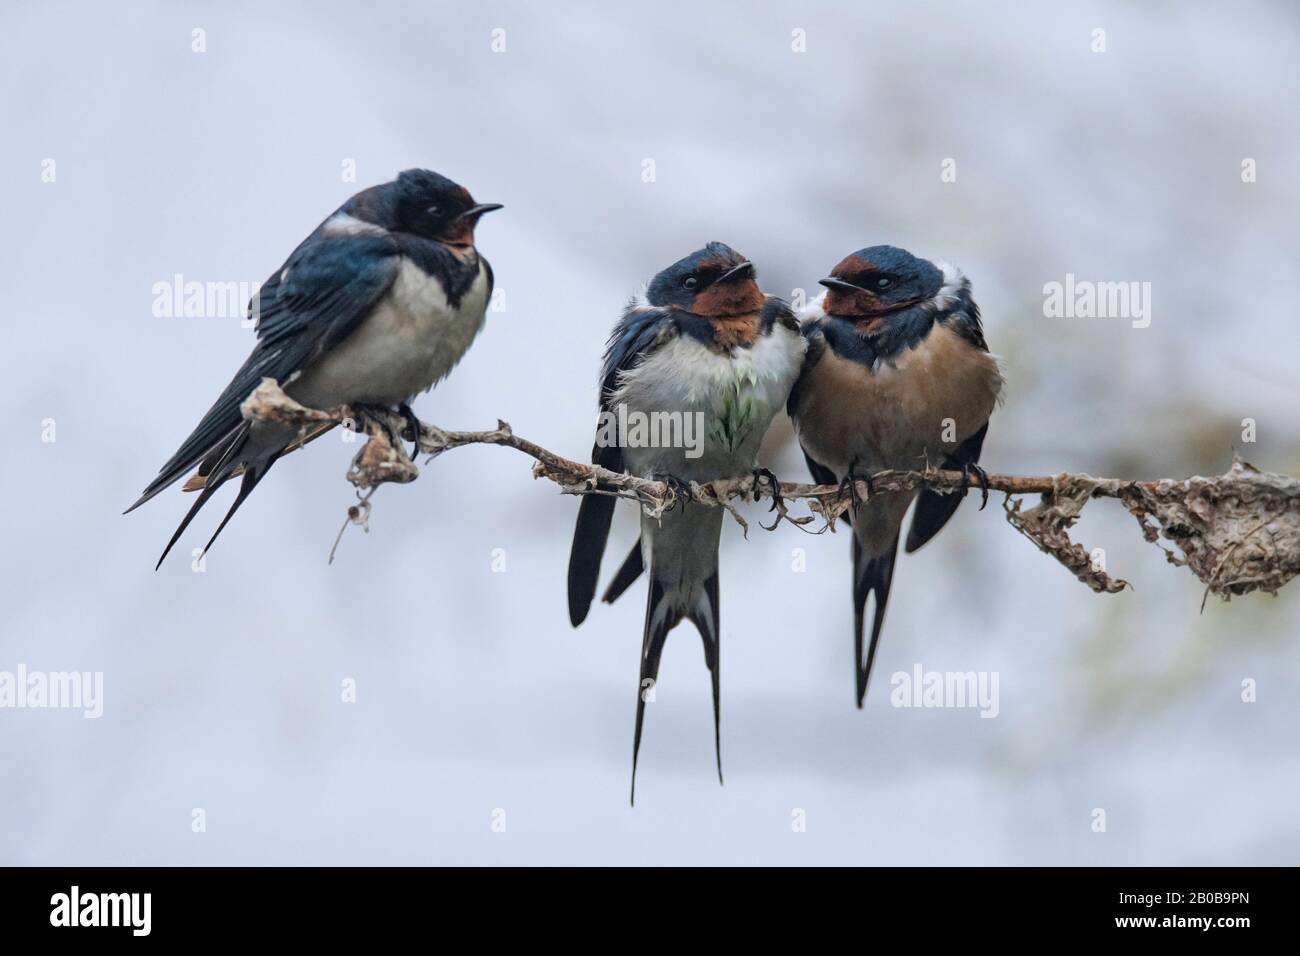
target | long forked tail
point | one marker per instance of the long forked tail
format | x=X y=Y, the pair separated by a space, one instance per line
x=627 y=574
x=253 y=473
x=662 y=614
x=870 y=575
x=589 y=536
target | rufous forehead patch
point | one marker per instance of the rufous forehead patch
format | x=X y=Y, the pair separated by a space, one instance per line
x=857 y=302
x=853 y=264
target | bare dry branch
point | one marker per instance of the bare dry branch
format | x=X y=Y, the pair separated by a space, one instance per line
x=1238 y=532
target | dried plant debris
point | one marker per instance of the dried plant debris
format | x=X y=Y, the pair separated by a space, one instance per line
x=381 y=459
x=1238 y=532
x=1048 y=526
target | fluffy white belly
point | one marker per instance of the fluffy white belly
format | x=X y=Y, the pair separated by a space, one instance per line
x=407 y=345
x=734 y=398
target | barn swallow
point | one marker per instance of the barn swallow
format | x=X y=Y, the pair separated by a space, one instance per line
x=378 y=304
x=897 y=375
x=703 y=341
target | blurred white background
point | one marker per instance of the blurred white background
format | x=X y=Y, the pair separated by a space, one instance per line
x=222 y=689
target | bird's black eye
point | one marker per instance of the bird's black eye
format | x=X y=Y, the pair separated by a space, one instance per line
x=883 y=282
x=434 y=210
x=690 y=283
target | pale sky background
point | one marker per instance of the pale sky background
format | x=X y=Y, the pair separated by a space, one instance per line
x=222 y=688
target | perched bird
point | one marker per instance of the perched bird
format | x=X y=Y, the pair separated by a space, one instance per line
x=897 y=375
x=378 y=304
x=703 y=341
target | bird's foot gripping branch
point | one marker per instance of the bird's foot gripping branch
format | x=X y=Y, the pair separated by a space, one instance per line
x=1237 y=532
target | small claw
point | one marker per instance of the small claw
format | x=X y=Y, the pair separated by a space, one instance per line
x=680 y=489
x=361 y=411
x=983 y=477
x=367 y=411
x=778 y=502
x=761 y=474
x=851 y=481
x=413 y=423
x=847 y=485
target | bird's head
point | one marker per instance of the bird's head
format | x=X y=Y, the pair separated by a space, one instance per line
x=874 y=282
x=715 y=282
x=423 y=203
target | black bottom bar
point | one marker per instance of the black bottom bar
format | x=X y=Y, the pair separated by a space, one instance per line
x=332 y=905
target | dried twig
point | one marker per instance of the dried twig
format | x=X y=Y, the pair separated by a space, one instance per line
x=1238 y=532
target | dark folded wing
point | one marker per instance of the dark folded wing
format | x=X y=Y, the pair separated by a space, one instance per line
x=934 y=509
x=776 y=309
x=965 y=321
x=639 y=332
x=816 y=345
x=820 y=473
x=320 y=295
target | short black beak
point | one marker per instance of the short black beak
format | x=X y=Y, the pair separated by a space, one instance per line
x=472 y=214
x=833 y=283
x=743 y=271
